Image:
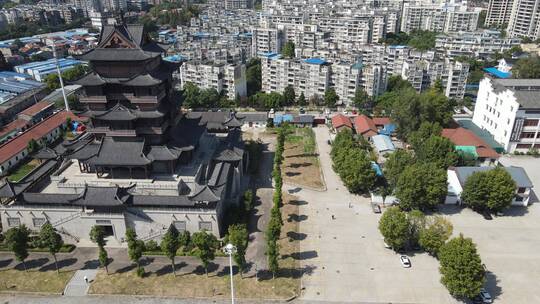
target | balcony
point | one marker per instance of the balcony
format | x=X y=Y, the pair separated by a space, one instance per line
x=136 y=99
x=107 y=131
x=93 y=99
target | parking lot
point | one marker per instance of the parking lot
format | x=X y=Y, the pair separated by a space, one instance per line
x=346 y=255
x=348 y=261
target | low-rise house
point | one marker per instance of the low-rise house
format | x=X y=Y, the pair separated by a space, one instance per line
x=383 y=144
x=340 y=122
x=15 y=150
x=254 y=119
x=467 y=142
x=458 y=176
x=303 y=120
x=365 y=126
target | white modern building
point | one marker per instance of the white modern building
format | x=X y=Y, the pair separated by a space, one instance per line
x=498 y=12
x=439 y=17
x=525 y=19
x=227 y=78
x=479 y=44
x=509 y=110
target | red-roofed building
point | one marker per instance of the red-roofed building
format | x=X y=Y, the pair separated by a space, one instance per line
x=15 y=150
x=464 y=137
x=37 y=112
x=380 y=122
x=365 y=126
x=340 y=122
x=10 y=130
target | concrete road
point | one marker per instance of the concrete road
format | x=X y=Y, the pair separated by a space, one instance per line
x=348 y=260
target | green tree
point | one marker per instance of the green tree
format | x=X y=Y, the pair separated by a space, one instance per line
x=184 y=240
x=422 y=40
x=50 y=239
x=104 y=259
x=461 y=267
x=135 y=247
x=394 y=227
x=330 y=98
x=421 y=186
x=238 y=236
x=417 y=223
x=253 y=76
x=396 y=83
x=395 y=164
x=289 y=95
x=491 y=190
x=302 y=100
x=191 y=95
x=438 y=150
x=437 y=232
x=32 y=146
x=169 y=245
x=17 y=242
x=426 y=130
x=361 y=100
x=288 y=50
x=206 y=245
x=357 y=173
x=527 y=67
x=272 y=253
x=97 y=235
x=438 y=86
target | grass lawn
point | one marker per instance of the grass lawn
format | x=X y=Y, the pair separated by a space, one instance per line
x=189 y=286
x=34 y=281
x=301 y=162
x=22 y=170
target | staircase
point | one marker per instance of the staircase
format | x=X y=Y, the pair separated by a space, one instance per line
x=156 y=229
x=66 y=233
x=66 y=219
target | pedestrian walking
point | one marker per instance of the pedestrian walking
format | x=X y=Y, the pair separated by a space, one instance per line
x=333 y=217
x=86 y=279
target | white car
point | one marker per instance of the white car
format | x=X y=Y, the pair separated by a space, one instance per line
x=485 y=296
x=405 y=262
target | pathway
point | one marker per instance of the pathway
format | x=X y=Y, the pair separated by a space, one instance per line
x=77 y=286
x=256 y=250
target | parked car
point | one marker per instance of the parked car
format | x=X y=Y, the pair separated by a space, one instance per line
x=485 y=296
x=376 y=208
x=405 y=262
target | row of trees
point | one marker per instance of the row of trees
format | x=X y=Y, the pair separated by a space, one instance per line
x=418 y=39
x=460 y=265
x=352 y=162
x=194 y=97
x=68 y=75
x=276 y=222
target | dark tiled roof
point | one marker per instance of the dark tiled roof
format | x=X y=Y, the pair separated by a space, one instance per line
x=161 y=200
x=46 y=153
x=102 y=197
x=163 y=153
x=131 y=153
x=91 y=79
x=204 y=194
x=116 y=113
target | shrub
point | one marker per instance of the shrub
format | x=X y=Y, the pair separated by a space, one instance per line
x=151 y=246
x=140 y=272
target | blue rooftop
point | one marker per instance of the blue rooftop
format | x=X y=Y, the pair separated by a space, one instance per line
x=499 y=74
x=318 y=61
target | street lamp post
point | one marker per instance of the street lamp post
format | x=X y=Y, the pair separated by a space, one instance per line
x=230 y=249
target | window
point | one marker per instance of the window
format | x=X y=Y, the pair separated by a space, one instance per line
x=530 y=123
x=511 y=108
x=521 y=190
x=508 y=121
x=180 y=225
x=14 y=221
x=38 y=221
x=205 y=226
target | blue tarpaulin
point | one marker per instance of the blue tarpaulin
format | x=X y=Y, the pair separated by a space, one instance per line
x=376 y=168
x=499 y=74
x=388 y=129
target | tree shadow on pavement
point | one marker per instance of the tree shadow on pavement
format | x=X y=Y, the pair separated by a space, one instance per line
x=61 y=264
x=298 y=202
x=297 y=218
x=298 y=165
x=92 y=264
x=5 y=263
x=304 y=255
x=294 y=273
x=211 y=268
x=32 y=263
x=168 y=268
x=492 y=284
x=295 y=236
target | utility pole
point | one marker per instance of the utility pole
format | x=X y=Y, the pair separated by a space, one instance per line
x=59 y=75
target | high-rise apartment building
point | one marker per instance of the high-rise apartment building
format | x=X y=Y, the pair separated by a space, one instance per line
x=525 y=19
x=498 y=12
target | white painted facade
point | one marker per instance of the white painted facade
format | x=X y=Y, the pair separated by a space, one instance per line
x=500 y=112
